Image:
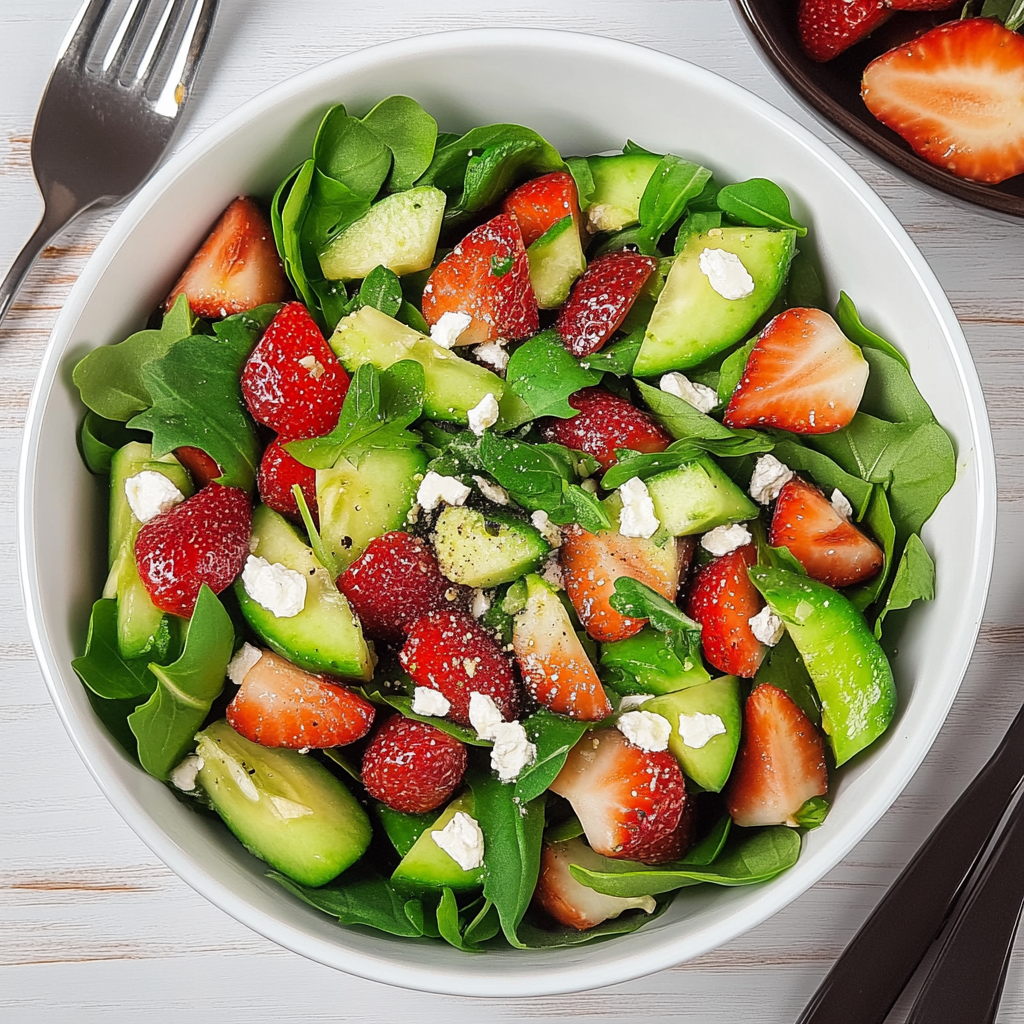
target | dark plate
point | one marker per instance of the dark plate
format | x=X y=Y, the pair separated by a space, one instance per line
x=834 y=90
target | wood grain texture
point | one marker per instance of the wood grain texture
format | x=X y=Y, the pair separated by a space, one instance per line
x=94 y=928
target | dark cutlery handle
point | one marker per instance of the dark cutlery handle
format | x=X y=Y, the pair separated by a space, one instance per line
x=868 y=978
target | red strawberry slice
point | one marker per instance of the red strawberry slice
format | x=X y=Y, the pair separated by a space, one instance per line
x=411 y=766
x=205 y=539
x=592 y=563
x=723 y=600
x=279 y=471
x=601 y=298
x=395 y=582
x=201 y=467
x=236 y=268
x=920 y=5
x=280 y=705
x=632 y=803
x=956 y=94
x=803 y=375
x=542 y=203
x=487 y=277
x=827 y=27
x=780 y=764
x=606 y=422
x=292 y=381
x=822 y=541
x=449 y=652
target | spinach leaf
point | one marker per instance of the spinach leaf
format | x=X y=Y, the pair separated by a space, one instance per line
x=914 y=580
x=879 y=520
x=803 y=286
x=868 y=447
x=166 y=724
x=579 y=168
x=535 y=936
x=706 y=852
x=554 y=736
x=461 y=732
x=697 y=222
x=402 y=125
x=731 y=371
x=813 y=812
x=348 y=151
x=563 y=831
x=114 y=715
x=288 y=212
x=485 y=925
x=784 y=669
x=102 y=668
x=543 y=373
x=672 y=185
x=849 y=320
x=760 y=203
x=635 y=600
x=382 y=290
x=99 y=438
x=680 y=418
x=826 y=473
x=920 y=479
x=448 y=924
x=618 y=357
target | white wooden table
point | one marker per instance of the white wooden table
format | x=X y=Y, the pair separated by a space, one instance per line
x=94 y=928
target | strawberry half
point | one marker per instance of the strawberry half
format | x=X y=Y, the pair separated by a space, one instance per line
x=803 y=375
x=236 y=268
x=411 y=766
x=542 y=203
x=205 y=539
x=827 y=27
x=606 y=422
x=723 y=600
x=279 y=471
x=449 y=652
x=631 y=802
x=396 y=581
x=601 y=298
x=279 y=704
x=780 y=764
x=292 y=381
x=956 y=95
x=820 y=539
x=487 y=277
x=201 y=467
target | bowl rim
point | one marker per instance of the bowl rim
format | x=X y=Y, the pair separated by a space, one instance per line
x=569 y=975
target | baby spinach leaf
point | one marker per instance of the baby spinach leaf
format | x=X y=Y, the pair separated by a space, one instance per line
x=402 y=125
x=803 y=286
x=826 y=473
x=618 y=357
x=813 y=812
x=698 y=222
x=635 y=600
x=680 y=418
x=288 y=212
x=548 y=936
x=382 y=290
x=348 y=151
x=706 y=851
x=731 y=371
x=448 y=924
x=543 y=373
x=868 y=447
x=563 y=831
x=760 y=203
x=849 y=320
x=672 y=185
x=586 y=509
x=114 y=716
x=166 y=724
x=102 y=668
x=924 y=473
x=914 y=580
x=99 y=438
x=784 y=669
x=409 y=315
x=890 y=393
x=343 y=760
x=466 y=735
x=485 y=925
x=878 y=519
x=579 y=168
x=554 y=736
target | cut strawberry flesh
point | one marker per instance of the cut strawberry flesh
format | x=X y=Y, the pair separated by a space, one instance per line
x=828 y=27
x=541 y=203
x=201 y=467
x=279 y=471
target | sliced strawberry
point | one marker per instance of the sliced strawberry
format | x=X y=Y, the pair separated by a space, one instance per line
x=450 y=652
x=591 y=564
x=200 y=466
x=780 y=764
x=542 y=203
x=292 y=381
x=236 y=268
x=279 y=471
x=631 y=802
x=956 y=94
x=827 y=27
x=205 y=539
x=601 y=298
x=723 y=600
x=411 y=766
x=920 y=5
x=279 y=704
x=606 y=422
x=803 y=375
x=487 y=277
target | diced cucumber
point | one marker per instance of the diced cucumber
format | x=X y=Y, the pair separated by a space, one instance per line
x=619 y=183
x=453 y=385
x=697 y=497
x=485 y=550
x=691 y=321
x=284 y=807
x=556 y=260
x=359 y=503
x=400 y=233
x=645 y=663
x=427 y=866
x=325 y=636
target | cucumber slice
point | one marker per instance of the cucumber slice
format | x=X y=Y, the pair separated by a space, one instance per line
x=325 y=636
x=427 y=866
x=619 y=183
x=485 y=550
x=556 y=260
x=691 y=321
x=697 y=497
x=284 y=807
x=400 y=233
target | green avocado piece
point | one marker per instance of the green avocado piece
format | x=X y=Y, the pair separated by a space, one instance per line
x=556 y=260
x=485 y=550
x=427 y=866
x=646 y=663
x=697 y=497
x=619 y=184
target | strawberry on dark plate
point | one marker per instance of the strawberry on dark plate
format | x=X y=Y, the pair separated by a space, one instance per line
x=292 y=381
x=279 y=471
x=601 y=298
x=541 y=203
x=803 y=375
x=606 y=422
x=279 y=704
x=205 y=539
x=236 y=268
x=411 y=766
x=827 y=27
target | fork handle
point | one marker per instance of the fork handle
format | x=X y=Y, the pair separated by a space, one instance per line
x=48 y=227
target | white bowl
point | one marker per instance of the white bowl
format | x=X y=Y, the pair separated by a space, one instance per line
x=586 y=95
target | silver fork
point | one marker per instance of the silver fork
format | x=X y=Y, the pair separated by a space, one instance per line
x=110 y=109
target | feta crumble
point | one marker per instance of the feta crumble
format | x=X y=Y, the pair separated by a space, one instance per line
x=766 y=626
x=312 y=366
x=603 y=217
x=548 y=530
x=697 y=729
x=484 y=715
x=637 y=518
x=436 y=489
x=481 y=603
x=769 y=477
x=462 y=840
x=491 y=491
x=841 y=504
x=700 y=396
x=645 y=729
x=493 y=354
x=512 y=750
x=430 y=702
x=245 y=657
x=449 y=327
x=632 y=701
x=282 y=591
x=723 y=540
x=726 y=274
x=183 y=777
x=149 y=493
x=484 y=414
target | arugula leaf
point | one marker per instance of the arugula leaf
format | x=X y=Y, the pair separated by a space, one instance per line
x=382 y=290
x=99 y=438
x=914 y=581
x=241 y=331
x=543 y=373
x=784 y=669
x=679 y=453
x=826 y=473
x=579 y=168
x=635 y=600
x=760 y=203
x=102 y=668
x=672 y=185
x=533 y=936
x=618 y=357
x=554 y=736
x=402 y=125
x=680 y=418
x=849 y=320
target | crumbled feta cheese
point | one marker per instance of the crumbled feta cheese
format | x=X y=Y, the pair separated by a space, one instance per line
x=766 y=626
x=645 y=729
x=462 y=840
x=282 y=591
x=841 y=504
x=633 y=700
x=769 y=477
x=448 y=328
x=548 y=530
x=493 y=354
x=700 y=396
x=484 y=414
x=552 y=573
x=603 y=217
x=589 y=485
x=695 y=730
x=512 y=750
x=427 y=701
x=726 y=274
x=484 y=715
x=183 y=777
x=436 y=488
x=491 y=491
x=481 y=603
x=245 y=657
x=637 y=518
x=312 y=366
x=149 y=493
x=723 y=540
